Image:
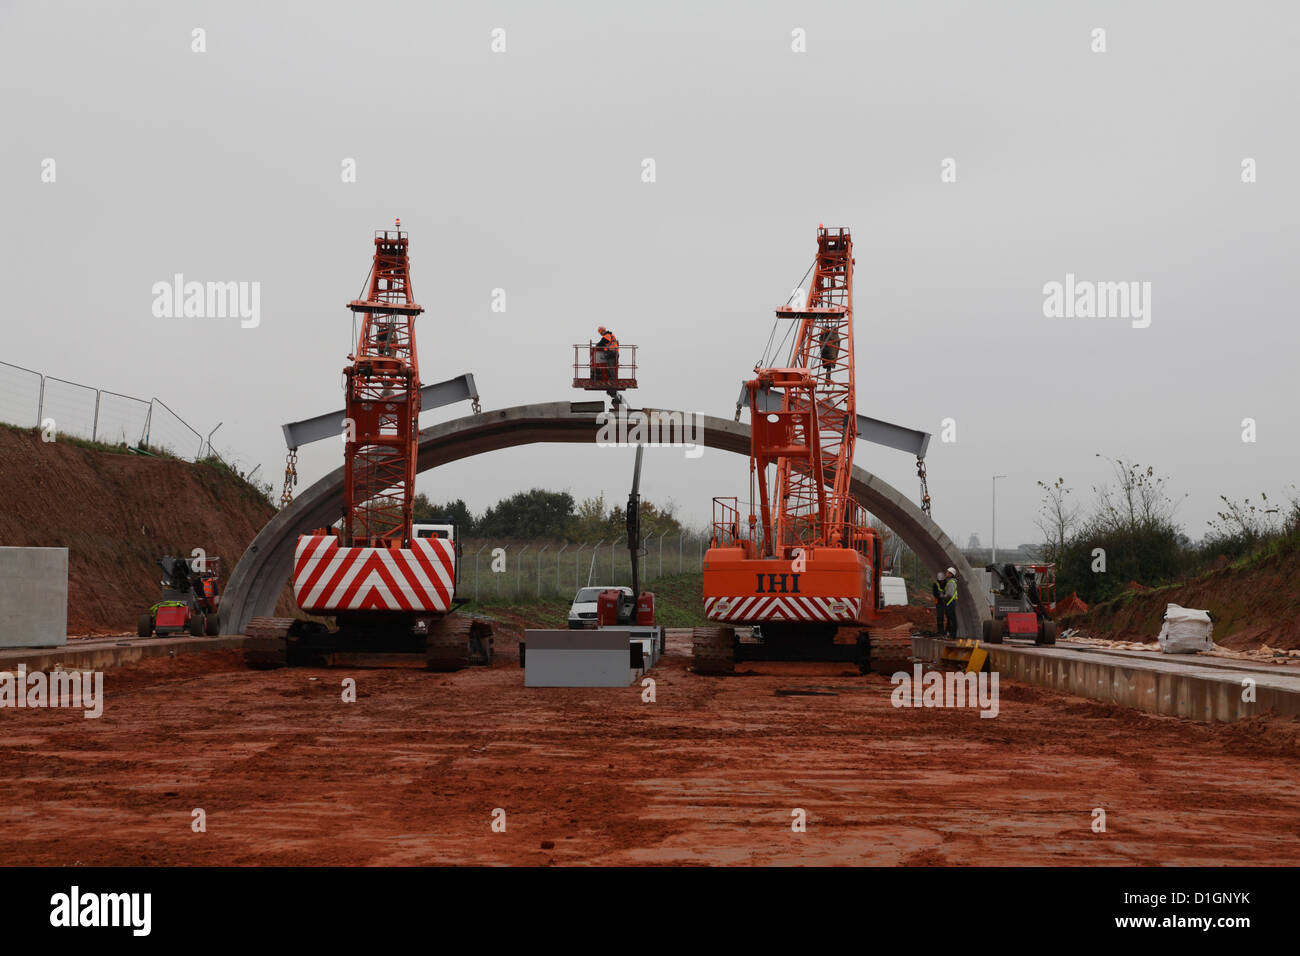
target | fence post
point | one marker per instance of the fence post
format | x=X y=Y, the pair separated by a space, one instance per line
x=595 y=552
x=476 y=554
x=612 y=580
x=661 y=553
x=505 y=570
x=210 y=434
x=539 y=568
x=519 y=567
x=557 y=566
x=94 y=428
x=577 y=567
x=40 y=405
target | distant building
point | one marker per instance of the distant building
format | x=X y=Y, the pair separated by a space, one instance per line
x=974 y=543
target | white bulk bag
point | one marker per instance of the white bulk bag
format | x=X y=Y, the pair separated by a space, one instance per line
x=1185 y=631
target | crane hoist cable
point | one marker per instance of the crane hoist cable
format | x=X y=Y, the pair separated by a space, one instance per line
x=361 y=295
x=768 y=352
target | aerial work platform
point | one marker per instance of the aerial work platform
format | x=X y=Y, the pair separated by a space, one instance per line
x=596 y=369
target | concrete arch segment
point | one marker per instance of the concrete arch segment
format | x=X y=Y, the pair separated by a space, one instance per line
x=267 y=565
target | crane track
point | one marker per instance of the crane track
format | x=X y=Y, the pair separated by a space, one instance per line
x=713 y=649
x=266 y=642
x=889 y=653
x=455 y=642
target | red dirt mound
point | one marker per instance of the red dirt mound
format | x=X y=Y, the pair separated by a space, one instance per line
x=1070 y=604
x=905 y=614
x=117 y=514
x=1252 y=605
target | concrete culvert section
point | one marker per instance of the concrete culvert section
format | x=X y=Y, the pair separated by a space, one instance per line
x=267 y=566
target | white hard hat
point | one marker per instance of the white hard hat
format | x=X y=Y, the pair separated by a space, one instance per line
x=939 y=576
x=952 y=571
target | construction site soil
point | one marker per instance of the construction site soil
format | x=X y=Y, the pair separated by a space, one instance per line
x=117 y=514
x=713 y=771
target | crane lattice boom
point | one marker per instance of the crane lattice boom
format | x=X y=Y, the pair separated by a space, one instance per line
x=383 y=404
x=810 y=441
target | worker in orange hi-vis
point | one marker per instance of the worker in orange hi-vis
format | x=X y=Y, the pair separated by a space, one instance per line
x=607 y=353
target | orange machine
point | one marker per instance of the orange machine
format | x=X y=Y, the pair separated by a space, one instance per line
x=803 y=567
x=388 y=587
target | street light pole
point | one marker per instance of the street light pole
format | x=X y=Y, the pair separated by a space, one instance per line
x=994 y=556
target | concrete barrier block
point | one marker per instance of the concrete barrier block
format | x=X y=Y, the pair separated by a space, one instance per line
x=577 y=659
x=33 y=597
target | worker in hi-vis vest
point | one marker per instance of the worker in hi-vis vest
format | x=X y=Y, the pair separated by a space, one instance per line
x=937 y=590
x=950 y=604
x=607 y=355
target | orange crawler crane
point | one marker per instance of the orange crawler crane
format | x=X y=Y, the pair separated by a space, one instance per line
x=804 y=569
x=389 y=584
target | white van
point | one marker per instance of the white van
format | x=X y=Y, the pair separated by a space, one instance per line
x=893 y=591
x=583 y=611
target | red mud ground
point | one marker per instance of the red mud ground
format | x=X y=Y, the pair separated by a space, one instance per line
x=709 y=773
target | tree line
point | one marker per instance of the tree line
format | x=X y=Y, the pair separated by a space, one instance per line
x=1130 y=532
x=553 y=515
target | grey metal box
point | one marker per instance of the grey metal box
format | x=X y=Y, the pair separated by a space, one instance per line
x=577 y=659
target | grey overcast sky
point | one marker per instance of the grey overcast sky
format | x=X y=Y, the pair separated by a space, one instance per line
x=522 y=171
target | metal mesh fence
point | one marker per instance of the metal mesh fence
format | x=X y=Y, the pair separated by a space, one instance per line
x=558 y=570
x=29 y=399
x=20 y=395
x=122 y=419
x=70 y=406
x=168 y=431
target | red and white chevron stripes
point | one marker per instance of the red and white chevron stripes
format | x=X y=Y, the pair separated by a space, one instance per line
x=329 y=578
x=788 y=608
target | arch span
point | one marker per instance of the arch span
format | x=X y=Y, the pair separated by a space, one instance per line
x=266 y=567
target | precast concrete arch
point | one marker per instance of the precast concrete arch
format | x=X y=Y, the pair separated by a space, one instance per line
x=267 y=566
